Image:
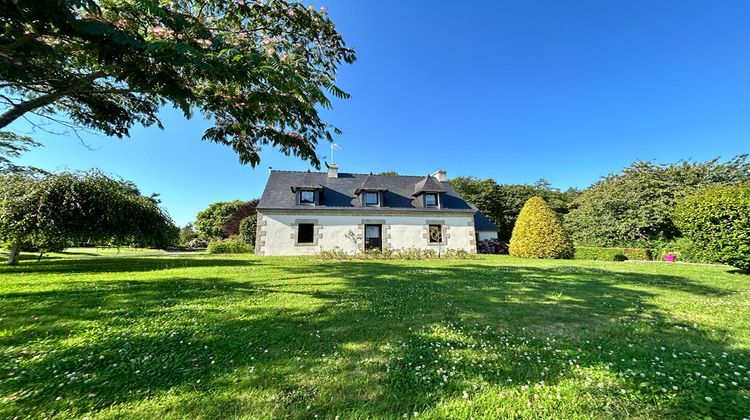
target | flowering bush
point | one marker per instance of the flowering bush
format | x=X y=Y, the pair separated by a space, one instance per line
x=197 y=243
x=393 y=254
x=492 y=246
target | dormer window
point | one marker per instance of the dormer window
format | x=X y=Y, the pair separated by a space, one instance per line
x=307 y=197
x=430 y=200
x=371 y=198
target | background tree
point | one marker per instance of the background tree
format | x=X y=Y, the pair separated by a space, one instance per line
x=248 y=227
x=55 y=210
x=635 y=206
x=187 y=233
x=502 y=203
x=719 y=219
x=539 y=233
x=260 y=70
x=222 y=219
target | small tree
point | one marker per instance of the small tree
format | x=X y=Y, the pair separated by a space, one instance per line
x=222 y=219
x=52 y=211
x=248 y=226
x=719 y=219
x=539 y=233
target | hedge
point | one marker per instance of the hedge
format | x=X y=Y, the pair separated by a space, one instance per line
x=229 y=246
x=612 y=254
x=719 y=220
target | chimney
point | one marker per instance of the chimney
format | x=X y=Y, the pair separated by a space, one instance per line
x=333 y=170
x=441 y=175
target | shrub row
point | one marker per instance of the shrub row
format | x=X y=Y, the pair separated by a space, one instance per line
x=338 y=254
x=612 y=254
x=229 y=246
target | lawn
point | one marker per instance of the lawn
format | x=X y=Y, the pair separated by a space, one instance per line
x=193 y=335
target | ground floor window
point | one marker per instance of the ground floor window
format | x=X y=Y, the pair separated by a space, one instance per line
x=435 y=234
x=305 y=233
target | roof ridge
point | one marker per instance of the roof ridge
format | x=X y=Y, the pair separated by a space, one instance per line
x=356 y=173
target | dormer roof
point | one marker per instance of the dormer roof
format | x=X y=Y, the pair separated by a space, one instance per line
x=308 y=181
x=371 y=183
x=428 y=185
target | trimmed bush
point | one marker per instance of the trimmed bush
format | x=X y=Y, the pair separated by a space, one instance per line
x=492 y=246
x=539 y=233
x=612 y=254
x=719 y=218
x=247 y=229
x=229 y=246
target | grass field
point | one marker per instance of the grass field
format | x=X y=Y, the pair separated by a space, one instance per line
x=143 y=335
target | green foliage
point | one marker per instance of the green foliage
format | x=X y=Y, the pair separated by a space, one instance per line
x=502 y=203
x=260 y=70
x=539 y=233
x=635 y=206
x=719 y=219
x=612 y=254
x=11 y=146
x=229 y=246
x=222 y=219
x=52 y=211
x=187 y=234
x=685 y=249
x=248 y=228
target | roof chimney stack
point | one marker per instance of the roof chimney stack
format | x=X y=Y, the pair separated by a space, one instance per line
x=333 y=170
x=441 y=175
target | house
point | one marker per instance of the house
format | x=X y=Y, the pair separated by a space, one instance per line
x=302 y=213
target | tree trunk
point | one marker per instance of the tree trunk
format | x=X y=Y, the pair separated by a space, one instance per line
x=15 y=251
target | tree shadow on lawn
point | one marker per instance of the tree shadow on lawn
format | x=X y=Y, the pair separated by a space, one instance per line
x=121 y=264
x=353 y=346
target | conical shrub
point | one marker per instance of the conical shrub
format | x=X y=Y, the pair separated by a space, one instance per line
x=539 y=233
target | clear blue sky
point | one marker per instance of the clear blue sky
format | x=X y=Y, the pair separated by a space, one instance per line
x=569 y=91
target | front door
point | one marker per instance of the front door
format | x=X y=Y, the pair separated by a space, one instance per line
x=373 y=237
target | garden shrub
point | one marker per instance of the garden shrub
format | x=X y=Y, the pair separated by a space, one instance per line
x=247 y=229
x=685 y=249
x=338 y=254
x=229 y=246
x=492 y=246
x=539 y=233
x=599 y=253
x=719 y=219
x=612 y=254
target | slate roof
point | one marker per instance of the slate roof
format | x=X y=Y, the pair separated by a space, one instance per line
x=428 y=185
x=340 y=193
x=371 y=183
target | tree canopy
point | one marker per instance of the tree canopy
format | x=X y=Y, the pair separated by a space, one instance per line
x=222 y=219
x=502 y=203
x=636 y=205
x=56 y=210
x=259 y=70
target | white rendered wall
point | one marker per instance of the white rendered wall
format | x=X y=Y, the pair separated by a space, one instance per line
x=277 y=232
x=484 y=234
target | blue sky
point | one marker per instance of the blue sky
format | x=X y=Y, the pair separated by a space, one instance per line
x=568 y=91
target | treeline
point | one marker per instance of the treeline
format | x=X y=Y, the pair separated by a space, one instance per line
x=502 y=203
x=634 y=207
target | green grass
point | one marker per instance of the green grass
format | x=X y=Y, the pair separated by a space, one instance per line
x=195 y=335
